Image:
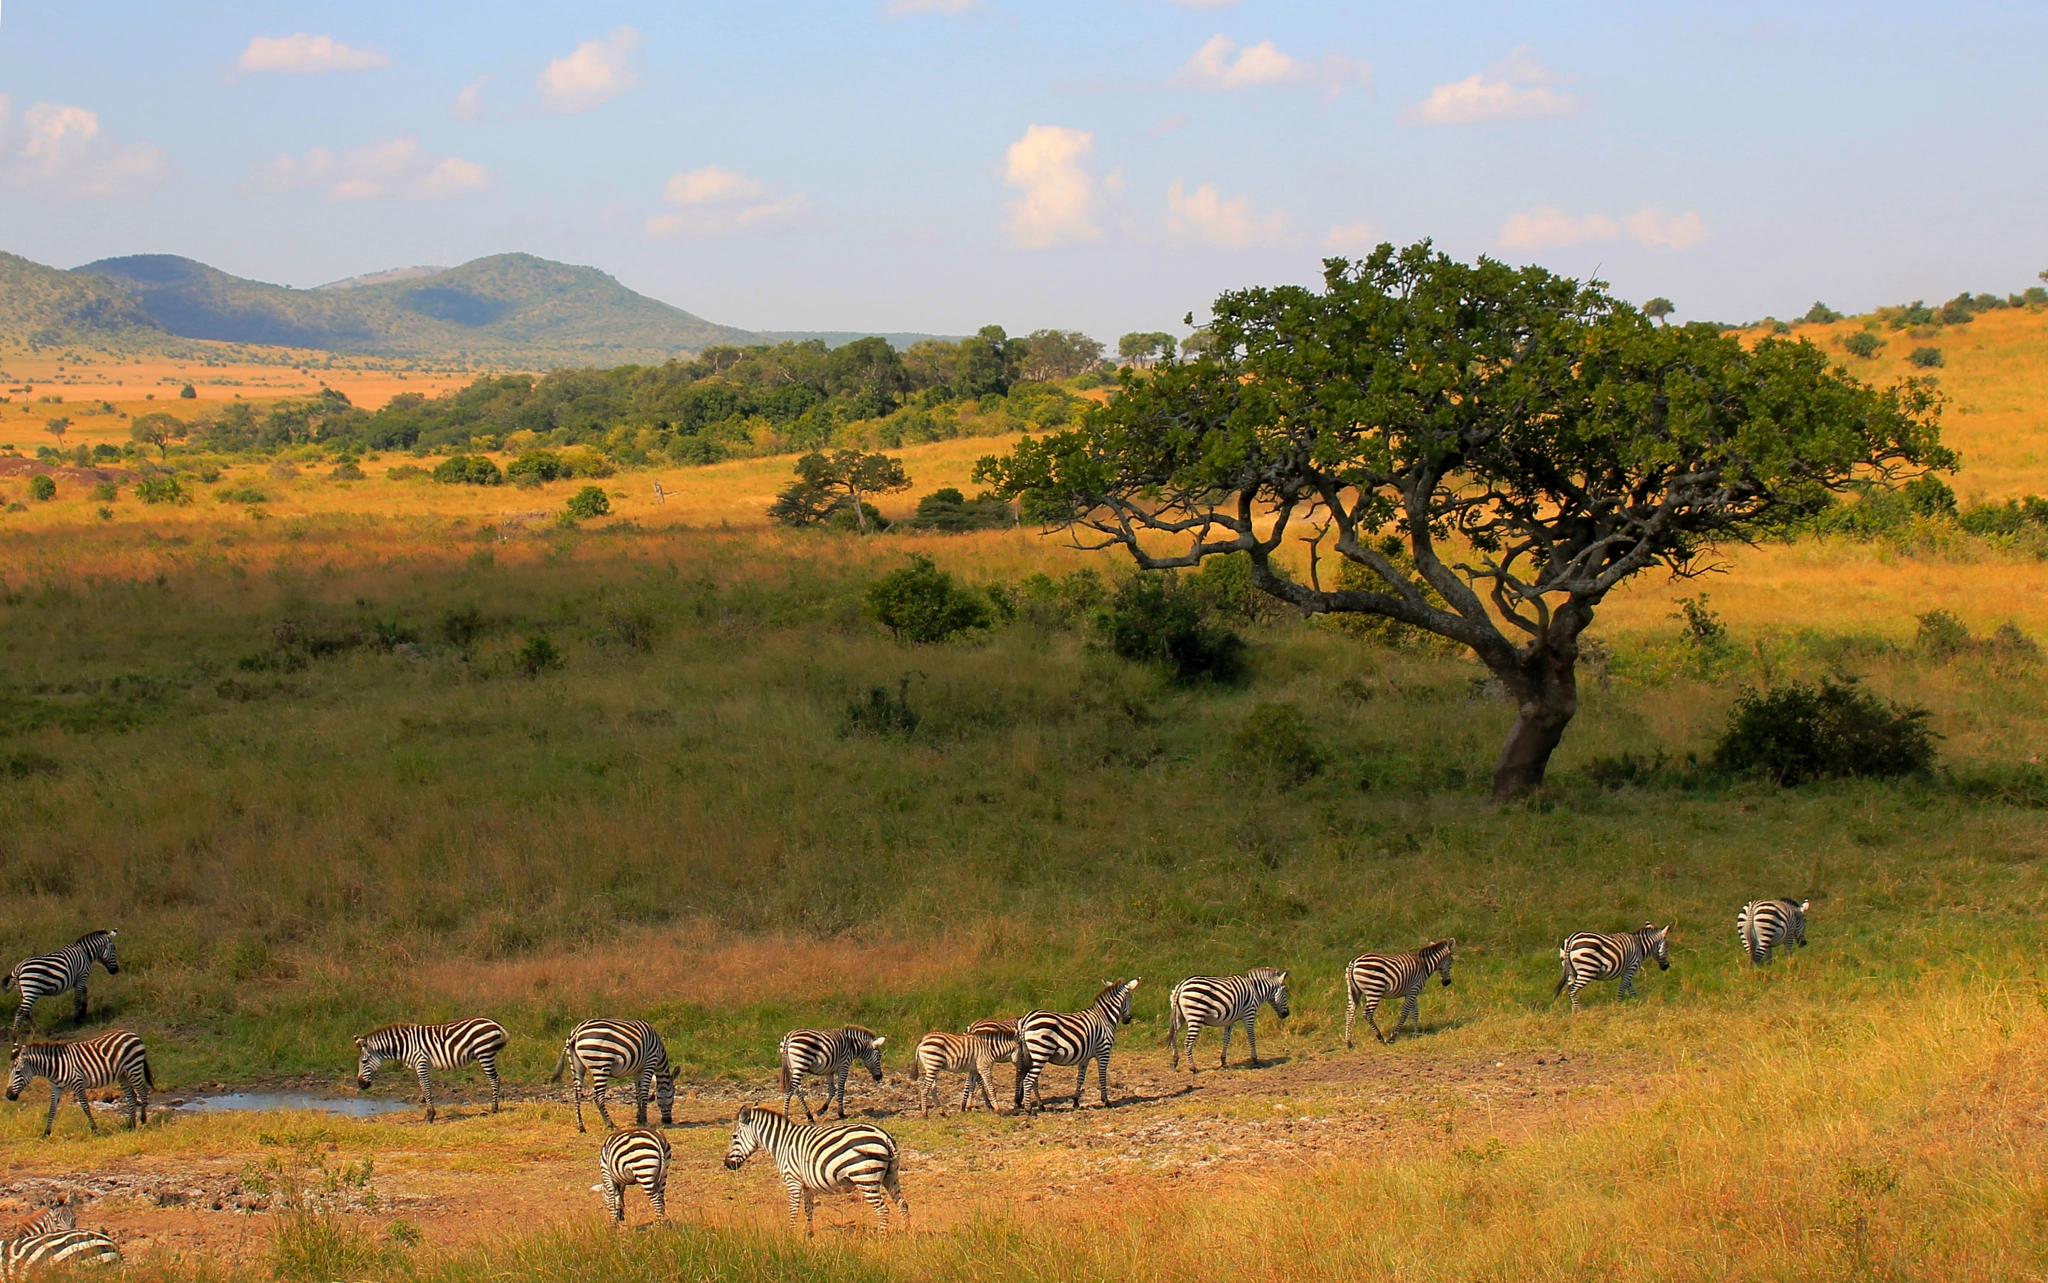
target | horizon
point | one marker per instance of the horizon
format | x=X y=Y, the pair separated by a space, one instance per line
x=936 y=165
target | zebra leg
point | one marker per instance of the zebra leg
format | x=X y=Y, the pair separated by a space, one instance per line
x=78 y=1004
x=872 y=1194
x=892 y=1182
x=56 y=1096
x=657 y=1192
x=837 y=1088
x=798 y=1197
x=1251 y=1035
x=1080 y=1085
x=577 y=1091
x=600 y=1085
x=489 y=1060
x=643 y=1087
x=1223 y=1060
x=1628 y=983
x=980 y=1075
x=1350 y=1014
x=86 y=1106
x=614 y=1200
x=1372 y=1017
x=1101 y=1078
x=1194 y=1032
x=1411 y=1011
x=426 y=1092
x=1574 y=986
x=136 y=1109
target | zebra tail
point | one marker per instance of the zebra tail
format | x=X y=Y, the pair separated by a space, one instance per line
x=1560 y=985
x=146 y=1075
x=561 y=1063
x=1749 y=935
x=1173 y=1023
x=785 y=1075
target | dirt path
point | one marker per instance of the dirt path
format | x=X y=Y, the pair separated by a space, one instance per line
x=184 y=1191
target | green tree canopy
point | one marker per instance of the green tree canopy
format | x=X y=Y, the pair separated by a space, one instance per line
x=1541 y=435
x=988 y=363
x=158 y=429
x=1142 y=349
x=826 y=483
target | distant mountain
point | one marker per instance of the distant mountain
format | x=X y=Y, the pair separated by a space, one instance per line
x=381 y=278
x=50 y=308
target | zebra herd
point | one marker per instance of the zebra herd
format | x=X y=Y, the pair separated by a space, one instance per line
x=811 y=1157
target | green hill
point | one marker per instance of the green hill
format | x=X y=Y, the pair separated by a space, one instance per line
x=48 y=307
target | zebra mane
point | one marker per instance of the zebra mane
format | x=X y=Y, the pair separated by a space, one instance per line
x=1108 y=987
x=385 y=1029
x=94 y=937
x=768 y=1110
x=863 y=1030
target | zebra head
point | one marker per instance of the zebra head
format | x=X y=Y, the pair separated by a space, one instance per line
x=371 y=1051
x=746 y=1137
x=1115 y=1000
x=1659 y=940
x=1441 y=963
x=22 y=1067
x=1272 y=984
x=867 y=1044
x=99 y=946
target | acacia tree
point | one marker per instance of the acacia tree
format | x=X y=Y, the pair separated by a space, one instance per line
x=1531 y=440
x=826 y=483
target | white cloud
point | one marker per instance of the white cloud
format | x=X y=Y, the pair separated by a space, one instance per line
x=950 y=8
x=395 y=168
x=597 y=72
x=1351 y=238
x=469 y=104
x=1205 y=216
x=1547 y=227
x=304 y=54
x=1214 y=67
x=1652 y=227
x=1059 y=194
x=1515 y=88
x=715 y=199
x=62 y=152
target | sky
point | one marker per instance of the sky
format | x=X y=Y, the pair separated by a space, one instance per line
x=938 y=165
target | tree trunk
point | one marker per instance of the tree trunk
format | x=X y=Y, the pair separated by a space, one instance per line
x=1546 y=686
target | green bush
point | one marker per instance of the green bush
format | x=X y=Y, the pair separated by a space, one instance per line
x=161 y=490
x=1062 y=602
x=1275 y=740
x=468 y=470
x=537 y=656
x=921 y=603
x=188 y=393
x=346 y=470
x=1154 y=618
x=2008 y=518
x=536 y=467
x=882 y=714
x=1942 y=635
x=244 y=494
x=950 y=512
x=1863 y=343
x=106 y=492
x=1821 y=314
x=590 y=501
x=42 y=486
x=1926 y=358
x=1795 y=733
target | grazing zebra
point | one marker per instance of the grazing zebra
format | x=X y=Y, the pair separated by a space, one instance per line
x=986 y=1044
x=1072 y=1038
x=1200 y=1001
x=1373 y=978
x=54 y=1219
x=829 y=1053
x=1766 y=924
x=68 y=968
x=636 y=1156
x=427 y=1047
x=608 y=1049
x=62 y=1247
x=1590 y=956
x=821 y=1159
x=114 y=1058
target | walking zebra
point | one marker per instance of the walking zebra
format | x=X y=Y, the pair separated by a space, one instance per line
x=830 y=1053
x=1763 y=925
x=117 y=1058
x=1590 y=956
x=986 y=1044
x=608 y=1049
x=1373 y=978
x=54 y=1219
x=1072 y=1038
x=635 y=1156
x=68 y=968
x=820 y=1160
x=425 y=1047
x=1224 y=1000
x=62 y=1247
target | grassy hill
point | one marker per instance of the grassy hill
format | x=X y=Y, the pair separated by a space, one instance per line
x=48 y=307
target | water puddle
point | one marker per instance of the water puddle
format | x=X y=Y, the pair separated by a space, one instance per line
x=265 y=1102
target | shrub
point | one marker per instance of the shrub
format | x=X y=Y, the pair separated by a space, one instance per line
x=244 y=494
x=103 y=452
x=1153 y=618
x=1926 y=358
x=1820 y=314
x=882 y=714
x=106 y=492
x=42 y=486
x=950 y=512
x=2008 y=518
x=1942 y=635
x=1275 y=740
x=469 y=470
x=537 y=656
x=536 y=467
x=1863 y=343
x=188 y=393
x=1929 y=497
x=1062 y=602
x=920 y=603
x=1224 y=585
x=348 y=470
x=161 y=490
x=589 y=502
x=1799 y=732
x=459 y=628
x=405 y=472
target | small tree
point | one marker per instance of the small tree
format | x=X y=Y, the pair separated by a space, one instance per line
x=1659 y=309
x=1535 y=441
x=1143 y=349
x=920 y=603
x=57 y=427
x=827 y=483
x=158 y=429
x=188 y=392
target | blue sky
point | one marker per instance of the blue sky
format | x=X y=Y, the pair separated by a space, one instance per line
x=941 y=164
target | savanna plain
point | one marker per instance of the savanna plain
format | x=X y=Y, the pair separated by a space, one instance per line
x=311 y=762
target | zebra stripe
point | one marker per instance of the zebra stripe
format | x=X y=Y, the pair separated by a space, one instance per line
x=608 y=1049
x=116 y=1058
x=1590 y=956
x=829 y=1053
x=1199 y=1001
x=1373 y=978
x=54 y=1219
x=1763 y=925
x=425 y=1047
x=68 y=968
x=986 y=1044
x=821 y=1159
x=636 y=1156
x=65 y=1247
x=1072 y=1038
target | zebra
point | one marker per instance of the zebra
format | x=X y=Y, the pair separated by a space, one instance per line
x=821 y=1159
x=635 y=1156
x=1590 y=956
x=114 y=1058
x=61 y=1247
x=1763 y=925
x=986 y=1044
x=1373 y=978
x=1072 y=1038
x=425 y=1047
x=54 y=1219
x=1224 y=1001
x=68 y=968
x=608 y=1049
x=829 y=1053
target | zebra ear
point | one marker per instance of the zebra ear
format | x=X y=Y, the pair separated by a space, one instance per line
x=1803 y=904
x=880 y=1041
